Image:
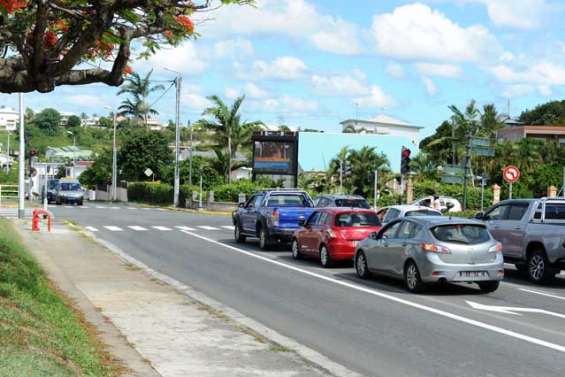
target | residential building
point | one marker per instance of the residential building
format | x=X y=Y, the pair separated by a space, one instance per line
x=9 y=119
x=92 y=121
x=383 y=125
x=69 y=153
x=539 y=132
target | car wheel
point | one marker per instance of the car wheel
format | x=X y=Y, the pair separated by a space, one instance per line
x=264 y=242
x=489 y=286
x=539 y=270
x=361 y=266
x=296 y=254
x=239 y=238
x=412 y=278
x=325 y=257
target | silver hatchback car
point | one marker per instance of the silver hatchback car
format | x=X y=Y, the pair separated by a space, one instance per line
x=430 y=249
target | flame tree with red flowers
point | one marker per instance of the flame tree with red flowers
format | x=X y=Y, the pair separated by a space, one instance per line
x=49 y=43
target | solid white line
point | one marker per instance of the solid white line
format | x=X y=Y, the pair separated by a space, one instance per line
x=83 y=207
x=543 y=294
x=113 y=228
x=114 y=207
x=229 y=227
x=91 y=228
x=206 y=227
x=137 y=228
x=69 y=206
x=132 y=208
x=101 y=207
x=185 y=228
x=429 y=309
x=162 y=228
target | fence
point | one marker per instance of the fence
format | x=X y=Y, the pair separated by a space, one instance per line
x=8 y=192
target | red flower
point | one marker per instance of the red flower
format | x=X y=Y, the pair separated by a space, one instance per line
x=127 y=70
x=50 y=39
x=13 y=5
x=168 y=34
x=61 y=25
x=186 y=23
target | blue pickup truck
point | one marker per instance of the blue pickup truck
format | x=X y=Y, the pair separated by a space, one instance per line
x=271 y=216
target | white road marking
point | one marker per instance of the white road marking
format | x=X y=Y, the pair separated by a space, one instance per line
x=132 y=208
x=543 y=294
x=114 y=207
x=91 y=229
x=51 y=206
x=512 y=310
x=206 y=227
x=162 y=228
x=113 y=228
x=185 y=228
x=69 y=206
x=146 y=208
x=229 y=227
x=456 y=317
x=101 y=207
x=84 y=207
x=137 y=228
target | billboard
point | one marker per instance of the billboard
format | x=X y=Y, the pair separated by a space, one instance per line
x=275 y=153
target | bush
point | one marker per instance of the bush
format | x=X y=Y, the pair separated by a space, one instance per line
x=151 y=193
x=230 y=192
x=426 y=188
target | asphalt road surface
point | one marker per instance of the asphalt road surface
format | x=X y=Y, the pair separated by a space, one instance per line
x=373 y=327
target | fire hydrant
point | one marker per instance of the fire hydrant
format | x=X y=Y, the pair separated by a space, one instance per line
x=36 y=220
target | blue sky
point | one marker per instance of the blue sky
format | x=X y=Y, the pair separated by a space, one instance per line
x=314 y=63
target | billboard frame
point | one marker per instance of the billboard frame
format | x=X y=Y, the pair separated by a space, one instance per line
x=277 y=137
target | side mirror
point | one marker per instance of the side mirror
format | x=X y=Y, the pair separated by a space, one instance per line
x=479 y=216
x=241 y=205
x=301 y=221
x=374 y=235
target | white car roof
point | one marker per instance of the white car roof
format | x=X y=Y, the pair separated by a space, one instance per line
x=410 y=207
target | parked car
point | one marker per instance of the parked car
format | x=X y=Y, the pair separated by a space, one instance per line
x=51 y=191
x=447 y=203
x=532 y=233
x=352 y=201
x=271 y=216
x=331 y=234
x=422 y=250
x=69 y=191
x=388 y=214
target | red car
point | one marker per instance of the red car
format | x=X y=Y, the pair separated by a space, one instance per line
x=332 y=234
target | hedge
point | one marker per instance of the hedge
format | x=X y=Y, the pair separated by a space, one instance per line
x=157 y=193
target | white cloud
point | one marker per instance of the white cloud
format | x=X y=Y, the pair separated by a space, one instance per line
x=395 y=70
x=284 y=68
x=346 y=85
x=193 y=98
x=253 y=91
x=289 y=104
x=442 y=70
x=431 y=88
x=517 y=90
x=416 y=32
x=233 y=48
x=293 y=18
x=231 y=93
x=184 y=58
x=539 y=76
x=375 y=99
x=86 y=100
x=519 y=14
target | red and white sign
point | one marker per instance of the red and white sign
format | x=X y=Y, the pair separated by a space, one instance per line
x=511 y=174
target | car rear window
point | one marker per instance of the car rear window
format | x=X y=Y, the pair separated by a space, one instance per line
x=467 y=234
x=357 y=219
x=555 y=211
x=289 y=200
x=422 y=212
x=353 y=203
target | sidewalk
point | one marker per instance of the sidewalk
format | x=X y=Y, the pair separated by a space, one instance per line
x=153 y=328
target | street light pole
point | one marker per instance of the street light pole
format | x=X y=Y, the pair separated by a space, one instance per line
x=178 y=81
x=190 y=157
x=376 y=189
x=114 y=160
x=21 y=159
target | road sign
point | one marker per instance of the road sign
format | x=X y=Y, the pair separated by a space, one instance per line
x=148 y=172
x=511 y=174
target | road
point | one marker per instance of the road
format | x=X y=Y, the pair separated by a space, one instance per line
x=373 y=327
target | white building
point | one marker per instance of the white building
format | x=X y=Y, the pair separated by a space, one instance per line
x=383 y=125
x=8 y=119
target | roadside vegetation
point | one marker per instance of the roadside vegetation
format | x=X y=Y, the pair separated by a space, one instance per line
x=40 y=333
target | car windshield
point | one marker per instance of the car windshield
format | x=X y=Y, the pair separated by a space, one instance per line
x=70 y=187
x=468 y=234
x=52 y=184
x=422 y=212
x=357 y=219
x=289 y=200
x=353 y=203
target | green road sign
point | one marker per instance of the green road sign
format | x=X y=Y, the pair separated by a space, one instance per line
x=483 y=151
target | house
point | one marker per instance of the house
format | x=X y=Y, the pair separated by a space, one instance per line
x=68 y=153
x=92 y=121
x=383 y=125
x=9 y=119
x=77 y=168
x=241 y=173
x=539 y=132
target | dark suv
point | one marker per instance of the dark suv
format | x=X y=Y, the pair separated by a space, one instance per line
x=353 y=201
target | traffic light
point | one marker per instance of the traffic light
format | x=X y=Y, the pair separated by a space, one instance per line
x=405 y=161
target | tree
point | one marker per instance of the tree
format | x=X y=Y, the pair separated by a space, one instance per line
x=229 y=131
x=552 y=113
x=73 y=122
x=141 y=150
x=100 y=173
x=363 y=163
x=46 y=42
x=48 y=121
x=139 y=90
x=105 y=122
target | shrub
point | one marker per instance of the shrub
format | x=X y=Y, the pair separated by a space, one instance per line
x=230 y=192
x=152 y=193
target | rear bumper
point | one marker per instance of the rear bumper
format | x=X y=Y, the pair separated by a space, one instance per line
x=282 y=234
x=341 y=250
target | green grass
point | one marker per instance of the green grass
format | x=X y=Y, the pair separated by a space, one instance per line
x=40 y=333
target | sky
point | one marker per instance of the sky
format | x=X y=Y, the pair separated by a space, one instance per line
x=315 y=63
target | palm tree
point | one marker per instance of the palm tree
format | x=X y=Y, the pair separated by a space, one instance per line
x=338 y=169
x=363 y=163
x=423 y=165
x=139 y=89
x=228 y=129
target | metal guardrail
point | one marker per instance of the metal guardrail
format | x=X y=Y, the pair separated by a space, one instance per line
x=8 y=192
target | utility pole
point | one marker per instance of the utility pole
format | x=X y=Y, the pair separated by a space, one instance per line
x=178 y=81
x=190 y=156
x=114 y=160
x=564 y=182
x=8 y=165
x=341 y=176
x=376 y=189
x=465 y=170
x=453 y=148
x=21 y=159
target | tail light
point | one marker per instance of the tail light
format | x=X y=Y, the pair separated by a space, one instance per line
x=433 y=248
x=275 y=217
x=496 y=248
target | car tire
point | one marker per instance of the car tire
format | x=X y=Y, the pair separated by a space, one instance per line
x=412 y=278
x=539 y=270
x=79 y=203
x=361 y=267
x=489 y=286
x=295 y=247
x=239 y=238
x=325 y=257
x=264 y=241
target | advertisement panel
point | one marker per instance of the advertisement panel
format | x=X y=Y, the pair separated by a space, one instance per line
x=274 y=157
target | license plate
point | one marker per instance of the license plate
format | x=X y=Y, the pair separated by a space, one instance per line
x=473 y=275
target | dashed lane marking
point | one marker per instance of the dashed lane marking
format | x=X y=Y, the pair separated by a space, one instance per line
x=228 y=227
x=91 y=228
x=206 y=227
x=185 y=228
x=113 y=228
x=137 y=228
x=161 y=228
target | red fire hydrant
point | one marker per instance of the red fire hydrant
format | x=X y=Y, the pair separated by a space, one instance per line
x=36 y=220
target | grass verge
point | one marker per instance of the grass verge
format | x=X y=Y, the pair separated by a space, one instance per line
x=41 y=334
